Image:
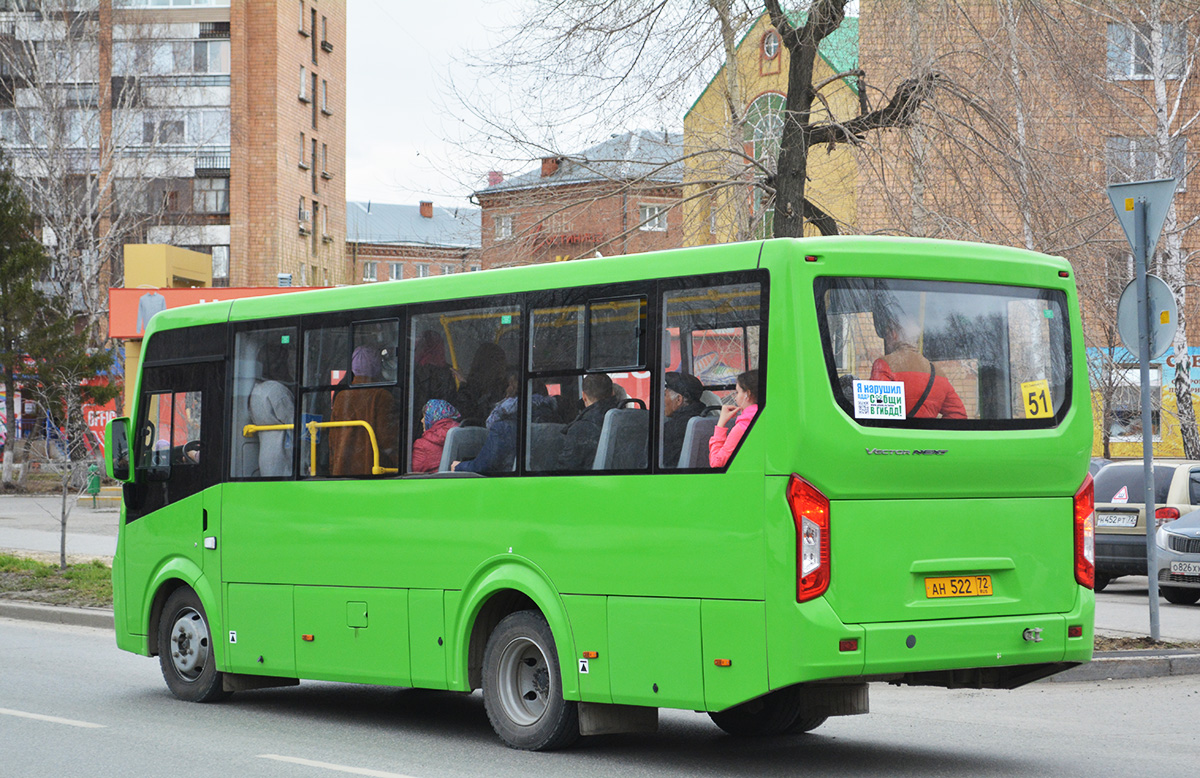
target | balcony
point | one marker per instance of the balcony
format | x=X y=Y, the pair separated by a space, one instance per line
x=212 y=164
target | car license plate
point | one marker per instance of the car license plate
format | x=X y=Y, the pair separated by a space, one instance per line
x=1185 y=568
x=1117 y=520
x=959 y=586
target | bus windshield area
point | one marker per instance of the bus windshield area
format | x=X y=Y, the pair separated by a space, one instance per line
x=918 y=353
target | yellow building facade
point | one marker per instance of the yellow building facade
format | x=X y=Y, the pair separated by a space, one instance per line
x=728 y=163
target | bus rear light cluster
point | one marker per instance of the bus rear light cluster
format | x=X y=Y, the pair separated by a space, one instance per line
x=1085 y=533
x=810 y=511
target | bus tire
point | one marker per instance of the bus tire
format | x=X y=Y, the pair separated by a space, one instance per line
x=185 y=649
x=1178 y=595
x=806 y=724
x=771 y=714
x=522 y=685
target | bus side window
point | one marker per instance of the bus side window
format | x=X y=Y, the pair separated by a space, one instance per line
x=710 y=335
x=264 y=392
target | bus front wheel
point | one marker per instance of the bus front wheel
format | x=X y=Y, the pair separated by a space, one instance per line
x=522 y=685
x=185 y=649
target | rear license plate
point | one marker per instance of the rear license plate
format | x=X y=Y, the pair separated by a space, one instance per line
x=1185 y=568
x=1117 y=520
x=959 y=586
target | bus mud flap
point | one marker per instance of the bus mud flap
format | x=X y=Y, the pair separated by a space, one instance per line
x=236 y=682
x=602 y=718
x=834 y=699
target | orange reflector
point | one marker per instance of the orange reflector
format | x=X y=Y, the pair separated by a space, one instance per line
x=590 y=654
x=1063 y=274
x=722 y=662
x=850 y=644
x=306 y=638
x=1075 y=631
x=810 y=258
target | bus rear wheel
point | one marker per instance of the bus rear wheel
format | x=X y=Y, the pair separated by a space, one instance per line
x=185 y=650
x=522 y=685
x=771 y=714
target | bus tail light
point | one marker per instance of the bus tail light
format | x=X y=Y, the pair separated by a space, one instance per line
x=1085 y=533
x=810 y=511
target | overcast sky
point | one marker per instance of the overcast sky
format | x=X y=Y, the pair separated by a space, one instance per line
x=399 y=57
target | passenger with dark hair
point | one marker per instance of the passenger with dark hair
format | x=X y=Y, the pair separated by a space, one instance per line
x=500 y=446
x=927 y=395
x=583 y=434
x=723 y=441
x=485 y=385
x=681 y=403
x=432 y=378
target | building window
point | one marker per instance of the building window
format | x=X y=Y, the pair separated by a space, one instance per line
x=770 y=45
x=447 y=270
x=652 y=218
x=370 y=271
x=315 y=109
x=395 y=271
x=325 y=224
x=422 y=271
x=1135 y=159
x=325 y=97
x=314 y=164
x=504 y=227
x=162 y=131
x=211 y=56
x=475 y=268
x=314 y=36
x=316 y=214
x=304 y=83
x=303 y=151
x=300 y=22
x=210 y=195
x=1129 y=50
x=325 y=160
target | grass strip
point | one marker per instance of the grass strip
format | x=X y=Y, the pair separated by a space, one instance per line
x=87 y=584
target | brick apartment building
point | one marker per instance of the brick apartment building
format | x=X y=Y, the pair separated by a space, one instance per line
x=227 y=118
x=387 y=242
x=621 y=196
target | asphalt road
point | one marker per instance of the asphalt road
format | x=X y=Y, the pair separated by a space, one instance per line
x=72 y=704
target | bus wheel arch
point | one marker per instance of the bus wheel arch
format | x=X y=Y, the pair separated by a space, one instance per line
x=499 y=605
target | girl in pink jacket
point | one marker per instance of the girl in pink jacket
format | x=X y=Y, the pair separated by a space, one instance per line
x=723 y=441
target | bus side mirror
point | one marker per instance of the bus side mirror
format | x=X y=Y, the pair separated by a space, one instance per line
x=116 y=449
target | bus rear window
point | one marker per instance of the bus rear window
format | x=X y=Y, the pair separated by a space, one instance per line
x=945 y=354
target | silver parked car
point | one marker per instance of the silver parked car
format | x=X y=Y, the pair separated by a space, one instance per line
x=1179 y=559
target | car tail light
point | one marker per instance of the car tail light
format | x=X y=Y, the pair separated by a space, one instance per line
x=1085 y=533
x=810 y=511
x=1163 y=515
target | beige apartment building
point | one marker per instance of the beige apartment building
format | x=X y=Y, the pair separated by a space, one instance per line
x=214 y=125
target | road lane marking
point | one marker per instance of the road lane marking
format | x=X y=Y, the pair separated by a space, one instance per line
x=335 y=767
x=51 y=719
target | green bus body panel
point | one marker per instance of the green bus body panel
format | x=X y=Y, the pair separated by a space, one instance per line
x=733 y=630
x=357 y=634
x=662 y=574
x=263 y=618
x=881 y=561
x=655 y=647
x=589 y=626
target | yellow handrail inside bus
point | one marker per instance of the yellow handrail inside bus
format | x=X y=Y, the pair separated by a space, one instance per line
x=313 y=426
x=251 y=429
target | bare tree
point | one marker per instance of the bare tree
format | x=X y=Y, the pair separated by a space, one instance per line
x=98 y=136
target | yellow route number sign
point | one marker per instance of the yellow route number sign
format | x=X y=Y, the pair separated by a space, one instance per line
x=1036 y=395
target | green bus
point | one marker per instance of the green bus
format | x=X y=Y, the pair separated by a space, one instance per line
x=480 y=481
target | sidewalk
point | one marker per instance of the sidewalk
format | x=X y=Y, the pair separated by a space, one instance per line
x=31 y=523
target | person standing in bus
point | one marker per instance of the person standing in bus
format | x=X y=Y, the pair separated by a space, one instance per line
x=583 y=434
x=681 y=403
x=350 y=450
x=723 y=441
x=272 y=403
x=438 y=417
x=927 y=395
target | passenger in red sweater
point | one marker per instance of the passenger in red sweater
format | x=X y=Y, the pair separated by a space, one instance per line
x=438 y=417
x=902 y=362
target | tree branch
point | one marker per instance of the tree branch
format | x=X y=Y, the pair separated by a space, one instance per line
x=899 y=112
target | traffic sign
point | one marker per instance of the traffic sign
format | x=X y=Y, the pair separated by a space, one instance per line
x=1164 y=316
x=1157 y=194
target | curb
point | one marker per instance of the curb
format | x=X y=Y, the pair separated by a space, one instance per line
x=1112 y=666
x=57 y=614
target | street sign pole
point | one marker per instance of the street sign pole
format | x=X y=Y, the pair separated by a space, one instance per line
x=1140 y=250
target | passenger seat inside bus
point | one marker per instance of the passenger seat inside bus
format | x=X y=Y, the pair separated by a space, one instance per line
x=545 y=444
x=462 y=443
x=624 y=440
x=695 y=441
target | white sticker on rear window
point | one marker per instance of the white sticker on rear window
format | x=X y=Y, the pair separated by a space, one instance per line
x=1122 y=495
x=878 y=399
